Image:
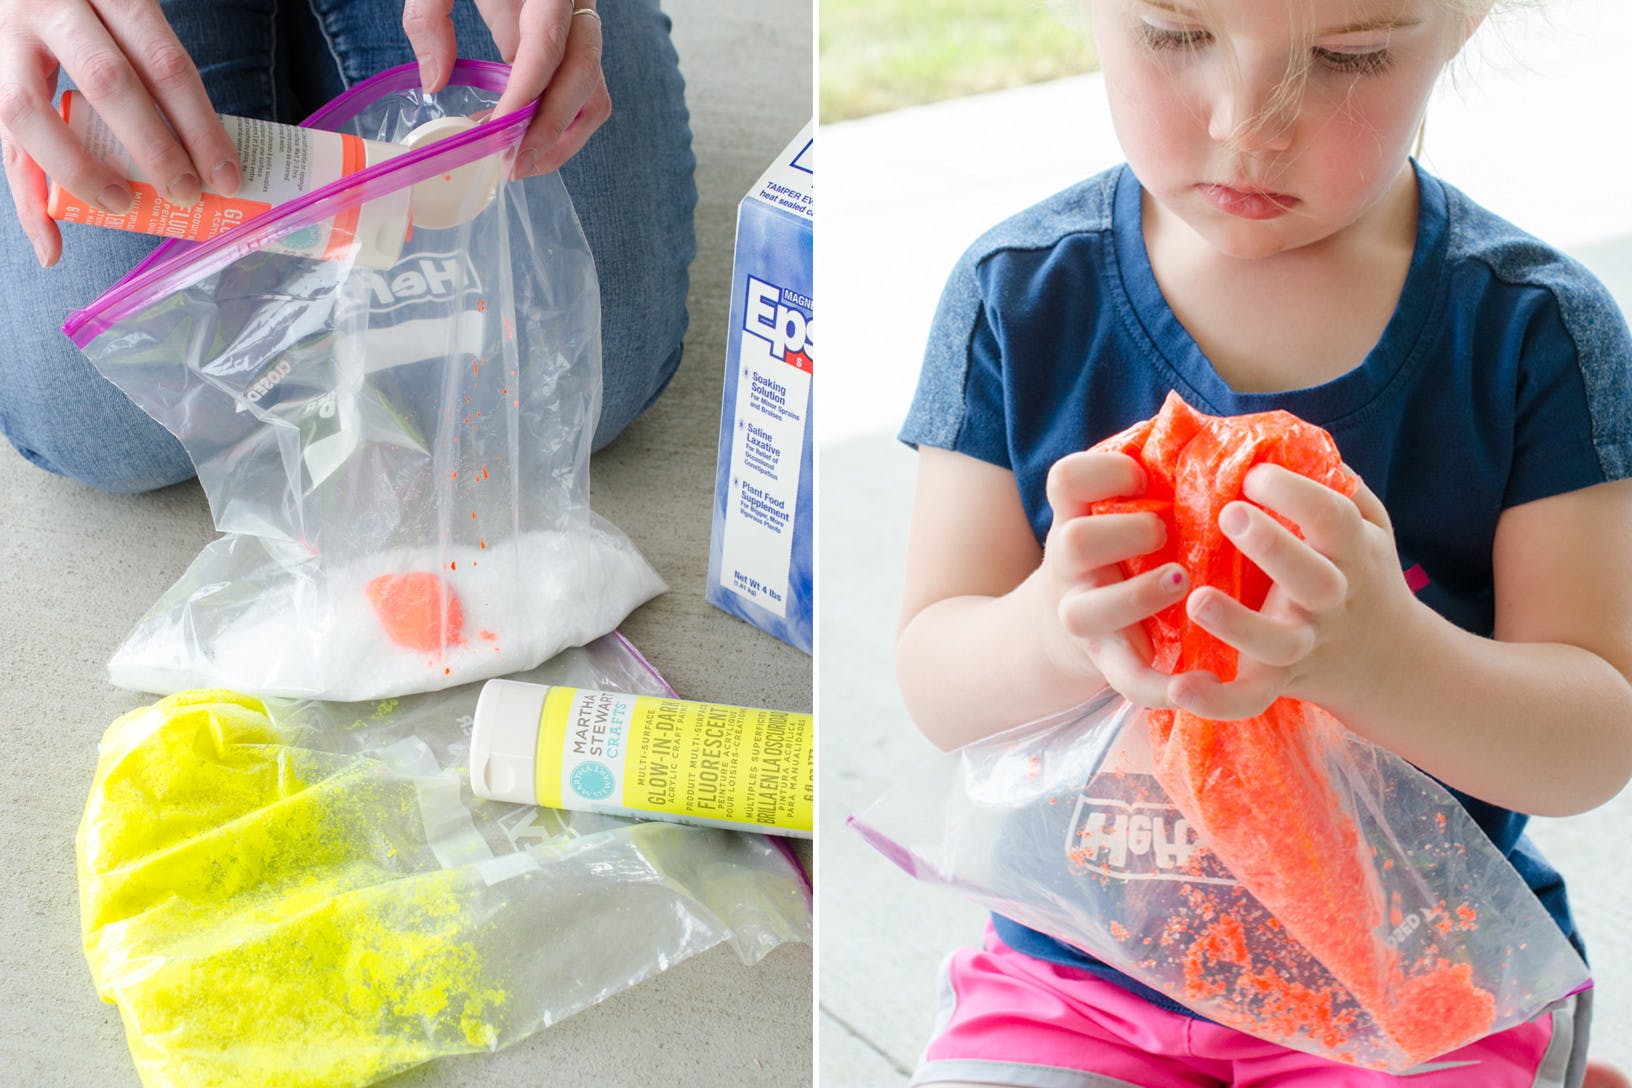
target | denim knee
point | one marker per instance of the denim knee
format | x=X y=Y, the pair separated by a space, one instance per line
x=62 y=416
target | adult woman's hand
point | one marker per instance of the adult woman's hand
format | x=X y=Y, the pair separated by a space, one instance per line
x=554 y=49
x=133 y=71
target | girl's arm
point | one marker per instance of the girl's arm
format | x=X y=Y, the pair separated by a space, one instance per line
x=1537 y=719
x=995 y=633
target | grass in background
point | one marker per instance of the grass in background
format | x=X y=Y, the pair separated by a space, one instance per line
x=879 y=55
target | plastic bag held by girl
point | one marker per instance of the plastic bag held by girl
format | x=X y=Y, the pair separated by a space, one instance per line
x=304 y=895
x=1278 y=874
x=395 y=446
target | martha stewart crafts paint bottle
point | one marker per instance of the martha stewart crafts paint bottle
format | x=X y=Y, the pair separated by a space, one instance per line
x=647 y=756
x=281 y=162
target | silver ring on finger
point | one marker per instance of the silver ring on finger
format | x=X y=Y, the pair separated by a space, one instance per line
x=591 y=12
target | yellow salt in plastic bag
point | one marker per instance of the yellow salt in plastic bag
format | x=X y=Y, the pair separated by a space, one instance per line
x=271 y=913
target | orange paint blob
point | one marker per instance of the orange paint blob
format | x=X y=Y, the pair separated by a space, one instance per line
x=418 y=610
x=1258 y=790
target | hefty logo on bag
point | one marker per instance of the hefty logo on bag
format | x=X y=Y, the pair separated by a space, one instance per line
x=1115 y=833
x=441 y=282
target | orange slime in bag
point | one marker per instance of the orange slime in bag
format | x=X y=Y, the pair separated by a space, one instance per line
x=1258 y=790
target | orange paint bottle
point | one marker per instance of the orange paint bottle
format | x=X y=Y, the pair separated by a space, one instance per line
x=280 y=162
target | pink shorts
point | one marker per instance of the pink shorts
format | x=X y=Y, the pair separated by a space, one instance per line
x=1011 y=1019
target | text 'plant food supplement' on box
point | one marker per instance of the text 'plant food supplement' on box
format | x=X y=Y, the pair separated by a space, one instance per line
x=759 y=566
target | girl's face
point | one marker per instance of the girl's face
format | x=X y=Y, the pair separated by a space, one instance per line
x=1202 y=104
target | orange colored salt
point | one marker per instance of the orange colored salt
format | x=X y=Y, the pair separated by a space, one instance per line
x=418 y=610
x=1258 y=790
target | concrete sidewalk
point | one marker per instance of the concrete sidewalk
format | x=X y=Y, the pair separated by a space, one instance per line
x=1524 y=129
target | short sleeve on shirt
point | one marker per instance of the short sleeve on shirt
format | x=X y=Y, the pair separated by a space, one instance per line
x=1573 y=411
x=959 y=403
x=966 y=381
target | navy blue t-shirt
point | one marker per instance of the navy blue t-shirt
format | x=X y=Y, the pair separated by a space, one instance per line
x=1503 y=376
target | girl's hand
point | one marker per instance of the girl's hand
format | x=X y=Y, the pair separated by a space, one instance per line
x=553 y=52
x=1094 y=609
x=1325 y=628
x=133 y=71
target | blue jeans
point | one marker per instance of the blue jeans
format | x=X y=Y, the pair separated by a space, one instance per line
x=632 y=185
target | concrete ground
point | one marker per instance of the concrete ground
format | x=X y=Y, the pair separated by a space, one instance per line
x=1530 y=128
x=82 y=566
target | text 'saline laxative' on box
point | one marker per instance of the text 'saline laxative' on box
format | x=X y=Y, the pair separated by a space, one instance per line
x=759 y=565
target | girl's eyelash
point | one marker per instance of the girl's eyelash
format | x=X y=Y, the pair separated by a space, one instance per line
x=1362 y=64
x=1158 y=38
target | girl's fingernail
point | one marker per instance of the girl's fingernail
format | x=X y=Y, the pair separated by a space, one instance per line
x=39 y=252
x=427 y=71
x=1174 y=579
x=1233 y=520
x=526 y=163
x=115 y=199
x=1208 y=610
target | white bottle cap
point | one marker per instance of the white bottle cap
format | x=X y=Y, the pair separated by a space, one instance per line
x=382 y=222
x=504 y=741
x=456 y=197
x=381 y=232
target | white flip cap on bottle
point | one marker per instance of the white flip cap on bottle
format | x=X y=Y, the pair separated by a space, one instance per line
x=504 y=741
x=457 y=197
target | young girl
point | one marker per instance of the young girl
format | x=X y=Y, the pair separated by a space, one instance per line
x=1271 y=244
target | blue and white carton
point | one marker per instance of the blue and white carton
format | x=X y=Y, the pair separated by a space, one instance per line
x=759 y=563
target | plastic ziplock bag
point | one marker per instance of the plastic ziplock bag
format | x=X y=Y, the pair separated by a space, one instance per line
x=1277 y=874
x=306 y=894
x=1063 y=826
x=398 y=457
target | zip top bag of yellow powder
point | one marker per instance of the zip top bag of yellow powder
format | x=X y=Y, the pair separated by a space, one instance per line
x=299 y=895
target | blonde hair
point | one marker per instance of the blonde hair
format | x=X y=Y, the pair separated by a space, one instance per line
x=1288 y=91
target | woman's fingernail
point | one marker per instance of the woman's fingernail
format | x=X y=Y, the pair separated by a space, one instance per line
x=526 y=163
x=39 y=252
x=1208 y=610
x=1233 y=520
x=115 y=199
x=1174 y=579
x=226 y=178
x=184 y=189
x=427 y=71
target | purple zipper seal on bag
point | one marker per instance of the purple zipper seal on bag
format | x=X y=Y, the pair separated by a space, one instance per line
x=174 y=264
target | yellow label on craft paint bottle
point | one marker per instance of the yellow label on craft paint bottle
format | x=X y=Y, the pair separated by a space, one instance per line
x=674 y=759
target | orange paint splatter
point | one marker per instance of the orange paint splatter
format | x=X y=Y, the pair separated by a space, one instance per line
x=489 y=635
x=417 y=610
